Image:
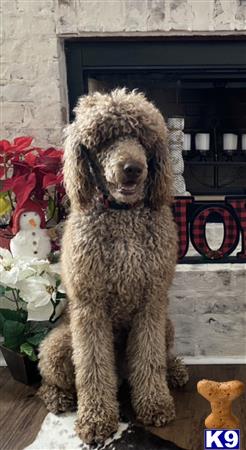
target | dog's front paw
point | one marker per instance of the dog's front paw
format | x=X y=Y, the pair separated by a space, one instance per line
x=96 y=428
x=156 y=412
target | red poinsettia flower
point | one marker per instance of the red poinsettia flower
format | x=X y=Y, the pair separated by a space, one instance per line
x=9 y=150
x=29 y=171
x=4 y=146
x=23 y=186
x=19 y=145
x=22 y=143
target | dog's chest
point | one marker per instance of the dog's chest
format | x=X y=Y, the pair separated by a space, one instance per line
x=128 y=261
x=122 y=255
x=126 y=248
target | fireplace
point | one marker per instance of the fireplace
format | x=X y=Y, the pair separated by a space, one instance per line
x=203 y=81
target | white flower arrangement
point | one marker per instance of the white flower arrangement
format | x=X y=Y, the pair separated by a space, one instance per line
x=33 y=285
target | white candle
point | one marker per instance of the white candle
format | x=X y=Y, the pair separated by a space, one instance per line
x=229 y=141
x=202 y=141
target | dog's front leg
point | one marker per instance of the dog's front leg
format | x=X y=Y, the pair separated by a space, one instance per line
x=147 y=364
x=96 y=382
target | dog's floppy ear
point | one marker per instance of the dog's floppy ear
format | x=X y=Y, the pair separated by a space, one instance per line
x=159 y=177
x=77 y=177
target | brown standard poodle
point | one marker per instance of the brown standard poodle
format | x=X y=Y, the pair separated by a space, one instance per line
x=118 y=261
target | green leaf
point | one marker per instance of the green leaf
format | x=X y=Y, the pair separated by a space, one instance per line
x=28 y=329
x=28 y=350
x=23 y=315
x=13 y=333
x=39 y=328
x=60 y=295
x=51 y=208
x=37 y=338
x=9 y=314
x=1 y=323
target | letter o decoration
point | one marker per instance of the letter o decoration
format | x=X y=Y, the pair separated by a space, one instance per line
x=198 y=232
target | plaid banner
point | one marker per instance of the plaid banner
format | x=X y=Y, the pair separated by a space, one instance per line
x=191 y=217
x=180 y=210
x=198 y=232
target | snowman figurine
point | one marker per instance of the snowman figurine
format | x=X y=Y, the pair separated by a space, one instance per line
x=31 y=239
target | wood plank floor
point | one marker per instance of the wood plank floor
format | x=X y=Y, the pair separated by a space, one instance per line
x=22 y=413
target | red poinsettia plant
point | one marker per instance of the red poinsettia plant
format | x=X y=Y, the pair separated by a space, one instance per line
x=30 y=172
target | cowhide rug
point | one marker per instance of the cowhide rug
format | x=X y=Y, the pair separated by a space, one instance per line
x=57 y=433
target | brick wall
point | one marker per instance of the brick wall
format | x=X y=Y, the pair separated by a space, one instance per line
x=33 y=85
x=208 y=309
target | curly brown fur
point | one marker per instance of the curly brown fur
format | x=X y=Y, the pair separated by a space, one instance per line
x=117 y=265
x=177 y=374
x=56 y=399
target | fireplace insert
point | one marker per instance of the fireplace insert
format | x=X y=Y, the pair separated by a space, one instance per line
x=203 y=81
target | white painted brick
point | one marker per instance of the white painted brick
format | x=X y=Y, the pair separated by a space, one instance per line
x=185 y=347
x=184 y=325
x=220 y=324
x=43 y=117
x=209 y=322
x=9 y=7
x=20 y=71
x=221 y=302
x=39 y=50
x=34 y=7
x=180 y=15
x=48 y=92
x=179 y=301
x=13 y=113
x=18 y=92
x=37 y=27
x=148 y=16
x=55 y=136
x=52 y=135
x=66 y=16
x=138 y=16
x=211 y=345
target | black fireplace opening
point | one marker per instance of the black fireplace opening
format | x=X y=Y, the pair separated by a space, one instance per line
x=203 y=81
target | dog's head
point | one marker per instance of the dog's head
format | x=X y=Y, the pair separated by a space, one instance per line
x=127 y=138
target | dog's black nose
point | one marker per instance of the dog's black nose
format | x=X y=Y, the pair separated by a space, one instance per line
x=132 y=170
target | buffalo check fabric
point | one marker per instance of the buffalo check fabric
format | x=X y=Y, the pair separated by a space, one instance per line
x=198 y=234
x=180 y=210
x=191 y=217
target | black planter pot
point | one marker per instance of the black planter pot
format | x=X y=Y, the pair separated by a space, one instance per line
x=21 y=367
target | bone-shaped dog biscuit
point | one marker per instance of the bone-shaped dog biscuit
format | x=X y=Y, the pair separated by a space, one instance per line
x=221 y=395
